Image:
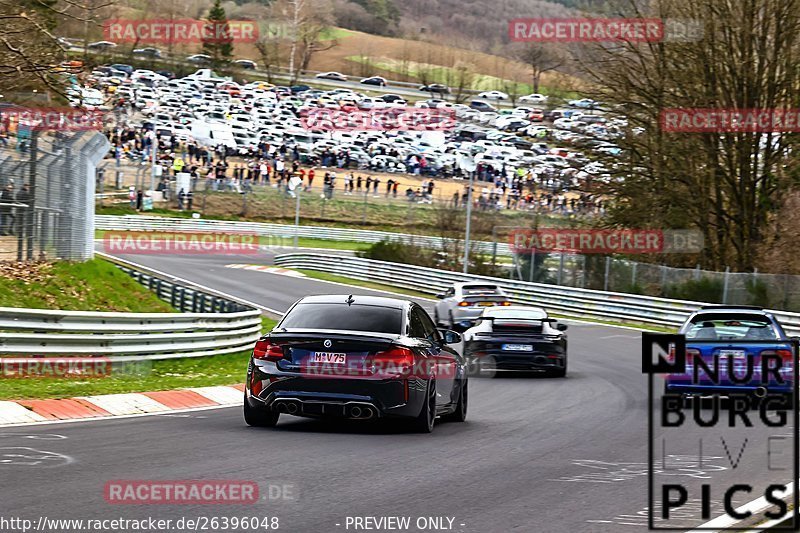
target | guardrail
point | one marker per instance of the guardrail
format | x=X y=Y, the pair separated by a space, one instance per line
x=208 y=324
x=568 y=301
x=144 y=223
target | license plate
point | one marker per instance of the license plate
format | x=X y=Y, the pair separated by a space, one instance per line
x=328 y=358
x=736 y=354
x=487 y=304
x=517 y=347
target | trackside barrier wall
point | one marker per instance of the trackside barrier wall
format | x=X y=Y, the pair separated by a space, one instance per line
x=208 y=324
x=568 y=301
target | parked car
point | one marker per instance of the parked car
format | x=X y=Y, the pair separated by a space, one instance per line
x=439 y=88
x=481 y=106
x=338 y=76
x=493 y=95
x=375 y=80
x=200 y=59
x=147 y=52
x=246 y=64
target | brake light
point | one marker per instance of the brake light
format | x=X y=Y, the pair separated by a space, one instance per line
x=785 y=355
x=264 y=349
x=505 y=303
x=396 y=360
x=463 y=304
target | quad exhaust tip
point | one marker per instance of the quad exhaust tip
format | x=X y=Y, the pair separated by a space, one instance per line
x=292 y=408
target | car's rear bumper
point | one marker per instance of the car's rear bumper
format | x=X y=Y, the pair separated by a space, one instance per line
x=322 y=396
x=495 y=361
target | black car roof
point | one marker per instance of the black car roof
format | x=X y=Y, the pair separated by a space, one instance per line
x=357 y=299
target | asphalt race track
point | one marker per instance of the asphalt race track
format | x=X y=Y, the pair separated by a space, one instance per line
x=536 y=454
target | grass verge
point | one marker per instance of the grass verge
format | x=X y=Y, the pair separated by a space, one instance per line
x=94 y=285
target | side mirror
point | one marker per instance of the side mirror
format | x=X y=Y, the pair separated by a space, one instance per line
x=451 y=337
x=441 y=296
x=561 y=327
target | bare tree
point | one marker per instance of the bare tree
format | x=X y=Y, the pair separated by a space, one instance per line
x=307 y=20
x=540 y=58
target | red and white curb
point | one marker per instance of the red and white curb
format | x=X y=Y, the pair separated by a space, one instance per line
x=115 y=405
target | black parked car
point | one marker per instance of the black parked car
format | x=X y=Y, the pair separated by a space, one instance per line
x=356 y=357
x=481 y=106
x=516 y=339
x=436 y=88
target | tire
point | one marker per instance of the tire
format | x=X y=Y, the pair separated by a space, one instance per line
x=460 y=414
x=560 y=373
x=260 y=418
x=424 y=421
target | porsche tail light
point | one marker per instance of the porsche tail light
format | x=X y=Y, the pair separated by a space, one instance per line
x=463 y=304
x=505 y=303
x=267 y=350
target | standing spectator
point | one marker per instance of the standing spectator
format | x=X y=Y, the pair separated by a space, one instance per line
x=132 y=196
x=389 y=186
x=310 y=178
x=394 y=189
x=375 y=183
x=6 y=197
x=358 y=184
x=181 y=197
x=24 y=196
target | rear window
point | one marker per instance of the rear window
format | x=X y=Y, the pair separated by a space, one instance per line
x=730 y=327
x=371 y=318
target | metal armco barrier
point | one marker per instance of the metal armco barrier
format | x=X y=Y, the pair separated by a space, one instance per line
x=568 y=301
x=209 y=324
x=283 y=231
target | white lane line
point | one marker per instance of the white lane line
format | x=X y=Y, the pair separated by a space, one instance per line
x=108 y=418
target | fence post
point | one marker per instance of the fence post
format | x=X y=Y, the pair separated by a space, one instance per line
x=560 y=267
x=697 y=273
x=663 y=278
x=633 y=275
x=725 y=285
x=533 y=262
x=608 y=267
x=364 y=215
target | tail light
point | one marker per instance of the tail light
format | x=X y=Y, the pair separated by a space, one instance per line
x=267 y=350
x=393 y=361
x=784 y=354
x=690 y=353
x=463 y=304
x=505 y=303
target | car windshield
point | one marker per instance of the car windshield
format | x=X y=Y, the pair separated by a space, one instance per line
x=730 y=327
x=372 y=318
